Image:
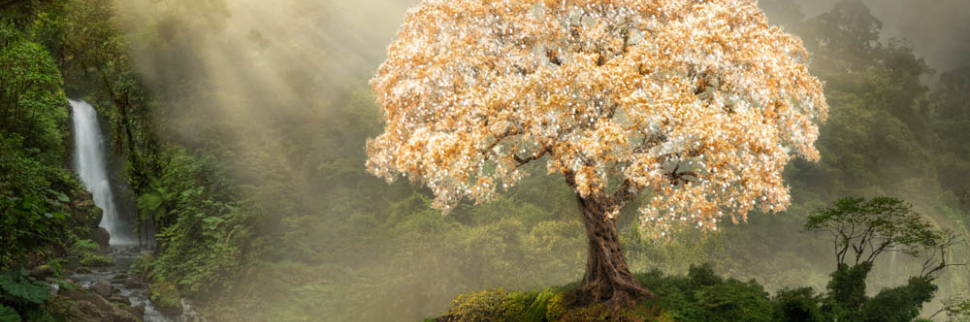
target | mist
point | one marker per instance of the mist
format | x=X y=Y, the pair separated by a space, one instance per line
x=277 y=91
x=938 y=29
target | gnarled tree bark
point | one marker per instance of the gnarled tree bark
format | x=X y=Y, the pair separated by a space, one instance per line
x=608 y=278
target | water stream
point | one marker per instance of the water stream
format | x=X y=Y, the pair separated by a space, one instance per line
x=126 y=287
x=92 y=168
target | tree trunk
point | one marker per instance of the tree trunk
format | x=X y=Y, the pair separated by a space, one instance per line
x=608 y=279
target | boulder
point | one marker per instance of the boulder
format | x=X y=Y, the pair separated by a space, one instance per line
x=90 y=307
x=102 y=237
x=42 y=272
x=85 y=211
x=102 y=288
x=132 y=282
x=138 y=310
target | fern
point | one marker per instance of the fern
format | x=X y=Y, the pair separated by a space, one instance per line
x=16 y=287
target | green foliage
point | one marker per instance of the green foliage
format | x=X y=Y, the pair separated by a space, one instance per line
x=866 y=228
x=34 y=185
x=847 y=289
x=900 y=304
x=546 y=305
x=882 y=219
x=16 y=288
x=32 y=103
x=165 y=296
x=90 y=254
x=699 y=296
x=704 y=296
x=85 y=246
x=96 y=260
x=143 y=265
x=490 y=305
x=8 y=314
x=797 y=305
x=202 y=227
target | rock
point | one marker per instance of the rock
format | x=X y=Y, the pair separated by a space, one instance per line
x=90 y=307
x=84 y=211
x=132 y=282
x=138 y=310
x=119 y=299
x=96 y=260
x=102 y=288
x=42 y=272
x=102 y=237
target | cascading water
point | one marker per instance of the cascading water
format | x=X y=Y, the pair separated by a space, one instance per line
x=90 y=163
x=89 y=158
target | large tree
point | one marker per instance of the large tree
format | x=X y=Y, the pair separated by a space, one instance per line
x=696 y=106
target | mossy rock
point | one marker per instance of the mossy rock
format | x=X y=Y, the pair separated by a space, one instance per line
x=83 y=246
x=86 y=306
x=489 y=305
x=166 y=297
x=90 y=255
x=96 y=260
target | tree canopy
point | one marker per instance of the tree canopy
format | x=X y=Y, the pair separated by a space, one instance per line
x=700 y=103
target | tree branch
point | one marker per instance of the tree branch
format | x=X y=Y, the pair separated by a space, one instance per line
x=499 y=139
x=931 y=272
x=538 y=155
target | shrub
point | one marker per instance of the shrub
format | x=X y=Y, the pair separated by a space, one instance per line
x=797 y=305
x=899 y=304
x=489 y=305
x=166 y=297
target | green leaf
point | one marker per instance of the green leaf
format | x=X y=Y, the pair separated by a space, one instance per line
x=213 y=220
x=150 y=202
x=7 y=314
x=16 y=286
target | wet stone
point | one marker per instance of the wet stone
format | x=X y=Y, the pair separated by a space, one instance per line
x=103 y=288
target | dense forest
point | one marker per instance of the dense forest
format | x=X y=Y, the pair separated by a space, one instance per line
x=236 y=139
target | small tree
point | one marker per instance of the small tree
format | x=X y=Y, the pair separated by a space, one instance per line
x=695 y=105
x=861 y=231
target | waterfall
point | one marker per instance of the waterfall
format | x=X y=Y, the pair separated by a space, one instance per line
x=89 y=160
